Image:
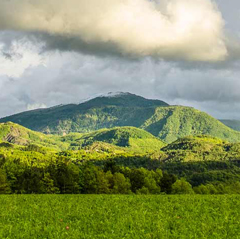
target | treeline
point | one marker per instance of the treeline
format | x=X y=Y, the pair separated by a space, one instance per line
x=65 y=177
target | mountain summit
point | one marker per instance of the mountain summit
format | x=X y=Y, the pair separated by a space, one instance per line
x=125 y=99
x=124 y=109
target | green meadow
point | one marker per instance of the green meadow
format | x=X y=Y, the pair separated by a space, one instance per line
x=119 y=216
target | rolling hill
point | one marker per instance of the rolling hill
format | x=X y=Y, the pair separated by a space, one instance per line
x=196 y=143
x=127 y=137
x=113 y=139
x=18 y=135
x=201 y=148
x=174 y=122
x=168 y=123
x=107 y=143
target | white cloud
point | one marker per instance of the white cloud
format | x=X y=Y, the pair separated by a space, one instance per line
x=70 y=78
x=18 y=57
x=36 y=106
x=171 y=29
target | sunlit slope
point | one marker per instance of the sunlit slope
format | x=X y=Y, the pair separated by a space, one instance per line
x=130 y=137
x=102 y=112
x=171 y=123
x=168 y=123
x=18 y=135
x=201 y=148
x=111 y=139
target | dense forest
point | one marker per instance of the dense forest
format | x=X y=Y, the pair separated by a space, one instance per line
x=119 y=160
x=33 y=169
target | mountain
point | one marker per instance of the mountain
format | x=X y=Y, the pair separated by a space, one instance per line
x=130 y=137
x=121 y=99
x=105 y=111
x=174 y=122
x=196 y=143
x=117 y=142
x=14 y=134
x=233 y=124
x=168 y=123
x=201 y=148
x=119 y=138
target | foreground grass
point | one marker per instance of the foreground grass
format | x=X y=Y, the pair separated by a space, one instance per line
x=98 y=216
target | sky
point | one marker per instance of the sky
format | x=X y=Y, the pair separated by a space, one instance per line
x=181 y=51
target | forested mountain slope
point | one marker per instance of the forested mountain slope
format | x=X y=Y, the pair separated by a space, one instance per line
x=130 y=138
x=18 y=135
x=173 y=122
x=168 y=123
x=133 y=138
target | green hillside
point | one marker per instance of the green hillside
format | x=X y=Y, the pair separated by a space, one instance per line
x=201 y=148
x=168 y=123
x=102 y=112
x=133 y=138
x=196 y=143
x=114 y=139
x=173 y=122
x=18 y=135
x=233 y=124
x=126 y=142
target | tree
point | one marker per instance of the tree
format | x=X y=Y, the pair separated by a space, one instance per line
x=111 y=165
x=103 y=183
x=143 y=190
x=67 y=176
x=167 y=181
x=48 y=185
x=89 y=179
x=94 y=180
x=137 y=177
x=121 y=185
x=31 y=180
x=212 y=189
x=4 y=187
x=150 y=182
x=2 y=160
x=158 y=176
x=181 y=186
x=202 y=189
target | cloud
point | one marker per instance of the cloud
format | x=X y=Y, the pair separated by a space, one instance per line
x=69 y=78
x=220 y=86
x=170 y=29
x=36 y=106
x=18 y=55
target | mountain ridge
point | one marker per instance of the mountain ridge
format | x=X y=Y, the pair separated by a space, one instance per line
x=166 y=122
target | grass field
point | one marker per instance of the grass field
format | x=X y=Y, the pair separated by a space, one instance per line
x=99 y=216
